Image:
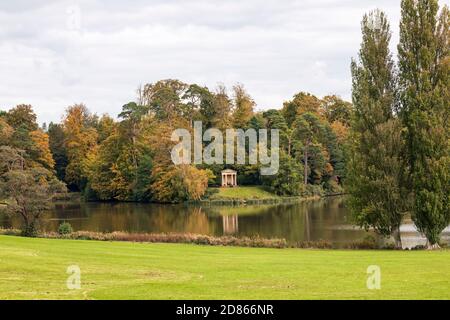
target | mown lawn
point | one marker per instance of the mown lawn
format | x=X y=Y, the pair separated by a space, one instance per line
x=244 y=193
x=36 y=269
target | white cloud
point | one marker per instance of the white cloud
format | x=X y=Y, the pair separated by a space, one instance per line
x=52 y=57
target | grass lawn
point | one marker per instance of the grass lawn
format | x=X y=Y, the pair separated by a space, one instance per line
x=36 y=269
x=247 y=192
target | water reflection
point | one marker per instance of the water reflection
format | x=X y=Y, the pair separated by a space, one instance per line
x=230 y=224
x=327 y=219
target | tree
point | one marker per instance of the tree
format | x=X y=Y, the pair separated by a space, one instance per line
x=80 y=140
x=180 y=183
x=165 y=99
x=11 y=159
x=200 y=103
x=105 y=127
x=376 y=172
x=336 y=109
x=275 y=120
x=41 y=149
x=222 y=109
x=24 y=133
x=27 y=191
x=58 y=149
x=288 y=180
x=130 y=132
x=424 y=64
x=303 y=102
x=309 y=130
x=243 y=107
x=6 y=132
x=22 y=116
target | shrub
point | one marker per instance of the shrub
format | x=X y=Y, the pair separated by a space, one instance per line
x=369 y=242
x=65 y=228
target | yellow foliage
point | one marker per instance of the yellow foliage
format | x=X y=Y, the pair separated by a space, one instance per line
x=42 y=148
x=341 y=131
x=5 y=130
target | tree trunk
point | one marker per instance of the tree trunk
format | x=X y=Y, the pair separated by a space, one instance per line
x=397 y=238
x=434 y=246
x=306 y=164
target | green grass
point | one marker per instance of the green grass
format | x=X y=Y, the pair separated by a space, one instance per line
x=244 y=193
x=36 y=269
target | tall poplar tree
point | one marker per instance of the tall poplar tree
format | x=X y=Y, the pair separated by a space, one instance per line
x=375 y=173
x=424 y=64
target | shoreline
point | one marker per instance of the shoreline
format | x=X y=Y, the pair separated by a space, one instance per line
x=367 y=243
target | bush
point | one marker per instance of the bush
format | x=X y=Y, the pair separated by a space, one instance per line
x=65 y=228
x=313 y=190
x=368 y=243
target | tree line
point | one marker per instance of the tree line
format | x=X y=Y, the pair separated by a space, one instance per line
x=128 y=158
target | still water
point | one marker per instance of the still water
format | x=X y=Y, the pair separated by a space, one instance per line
x=327 y=219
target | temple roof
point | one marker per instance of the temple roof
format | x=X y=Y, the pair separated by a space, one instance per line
x=229 y=171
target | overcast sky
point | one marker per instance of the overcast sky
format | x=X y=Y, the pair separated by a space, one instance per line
x=57 y=53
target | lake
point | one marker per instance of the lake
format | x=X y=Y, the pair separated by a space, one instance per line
x=327 y=219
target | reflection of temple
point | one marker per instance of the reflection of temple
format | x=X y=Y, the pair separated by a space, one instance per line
x=230 y=224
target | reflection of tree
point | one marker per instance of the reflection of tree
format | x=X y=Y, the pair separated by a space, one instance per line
x=307 y=221
x=307 y=226
x=197 y=221
x=230 y=224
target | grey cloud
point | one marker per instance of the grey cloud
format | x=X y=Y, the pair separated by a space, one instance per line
x=51 y=58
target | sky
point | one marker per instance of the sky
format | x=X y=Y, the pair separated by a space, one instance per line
x=54 y=54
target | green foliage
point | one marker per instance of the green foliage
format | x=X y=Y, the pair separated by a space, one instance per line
x=58 y=149
x=65 y=228
x=336 y=109
x=375 y=175
x=165 y=99
x=22 y=116
x=129 y=159
x=424 y=76
x=27 y=191
x=288 y=181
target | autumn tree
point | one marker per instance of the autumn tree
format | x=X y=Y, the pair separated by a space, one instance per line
x=301 y=103
x=6 y=132
x=222 y=109
x=375 y=174
x=424 y=63
x=180 y=183
x=335 y=109
x=40 y=150
x=243 y=107
x=24 y=133
x=170 y=182
x=80 y=140
x=22 y=116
